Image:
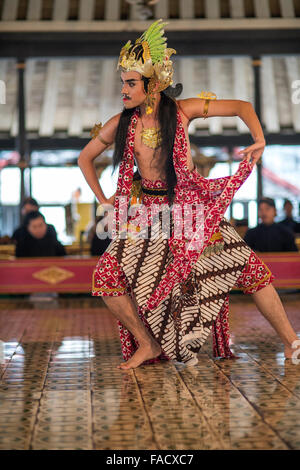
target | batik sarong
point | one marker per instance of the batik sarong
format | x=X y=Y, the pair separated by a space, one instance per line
x=181 y=295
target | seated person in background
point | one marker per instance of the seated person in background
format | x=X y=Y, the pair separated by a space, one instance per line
x=29 y=205
x=289 y=222
x=38 y=239
x=99 y=245
x=269 y=236
x=240 y=225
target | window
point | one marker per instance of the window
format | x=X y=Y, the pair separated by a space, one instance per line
x=10 y=186
x=281 y=170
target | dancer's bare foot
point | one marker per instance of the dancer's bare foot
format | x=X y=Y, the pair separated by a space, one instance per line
x=143 y=353
x=289 y=350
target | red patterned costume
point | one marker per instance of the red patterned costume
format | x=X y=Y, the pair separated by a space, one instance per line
x=181 y=290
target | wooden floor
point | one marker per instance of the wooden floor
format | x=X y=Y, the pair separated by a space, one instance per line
x=60 y=388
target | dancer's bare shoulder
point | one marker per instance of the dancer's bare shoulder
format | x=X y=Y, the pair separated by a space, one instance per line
x=102 y=140
x=109 y=129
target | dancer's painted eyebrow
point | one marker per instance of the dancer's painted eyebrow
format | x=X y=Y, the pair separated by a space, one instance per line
x=130 y=80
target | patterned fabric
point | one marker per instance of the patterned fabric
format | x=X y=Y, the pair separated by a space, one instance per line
x=136 y=267
x=220 y=333
x=254 y=277
x=180 y=292
x=109 y=278
x=191 y=189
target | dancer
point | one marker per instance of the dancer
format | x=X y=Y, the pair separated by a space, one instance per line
x=169 y=290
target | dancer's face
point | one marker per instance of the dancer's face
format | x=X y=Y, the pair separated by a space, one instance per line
x=133 y=92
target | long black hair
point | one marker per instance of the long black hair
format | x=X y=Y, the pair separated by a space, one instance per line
x=168 y=121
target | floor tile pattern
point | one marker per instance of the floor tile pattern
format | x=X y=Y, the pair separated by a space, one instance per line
x=60 y=387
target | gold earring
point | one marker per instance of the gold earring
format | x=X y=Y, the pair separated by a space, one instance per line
x=150 y=100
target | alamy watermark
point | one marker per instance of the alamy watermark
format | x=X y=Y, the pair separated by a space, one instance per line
x=296 y=354
x=181 y=222
x=296 y=93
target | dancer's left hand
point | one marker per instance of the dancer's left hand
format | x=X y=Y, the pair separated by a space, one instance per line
x=111 y=200
x=254 y=152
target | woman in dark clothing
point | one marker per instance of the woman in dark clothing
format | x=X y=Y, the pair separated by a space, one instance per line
x=29 y=205
x=37 y=238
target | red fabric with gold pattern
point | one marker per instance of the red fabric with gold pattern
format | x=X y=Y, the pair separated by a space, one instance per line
x=255 y=275
x=109 y=278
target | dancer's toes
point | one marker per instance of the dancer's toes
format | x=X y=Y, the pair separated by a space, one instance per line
x=288 y=352
x=291 y=349
x=142 y=354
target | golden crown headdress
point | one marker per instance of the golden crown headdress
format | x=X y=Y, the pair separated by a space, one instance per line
x=154 y=62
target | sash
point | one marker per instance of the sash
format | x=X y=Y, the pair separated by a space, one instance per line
x=216 y=195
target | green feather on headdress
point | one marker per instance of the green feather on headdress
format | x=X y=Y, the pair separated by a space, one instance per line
x=153 y=59
x=154 y=36
x=127 y=45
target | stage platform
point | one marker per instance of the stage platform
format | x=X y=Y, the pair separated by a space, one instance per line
x=74 y=274
x=61 y=389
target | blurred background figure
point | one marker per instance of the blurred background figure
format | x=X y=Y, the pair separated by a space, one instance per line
x=289 y=222
x=269 y=235
x=240 y=225
x=29 y=205
x=96 y=236
x=75 y=199
x=37 y=238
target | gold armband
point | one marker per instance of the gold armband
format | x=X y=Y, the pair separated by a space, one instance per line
x=207 y=96
x=95 y=133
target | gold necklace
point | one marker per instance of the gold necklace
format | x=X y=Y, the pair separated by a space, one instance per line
x=151 y=136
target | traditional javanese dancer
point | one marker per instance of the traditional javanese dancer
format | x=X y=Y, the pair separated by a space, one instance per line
x=168 y=284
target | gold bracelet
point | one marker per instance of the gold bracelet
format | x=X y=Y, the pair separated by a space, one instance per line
x=205 y=110
x=102 y=140
x=207 y=96
x=95 y=133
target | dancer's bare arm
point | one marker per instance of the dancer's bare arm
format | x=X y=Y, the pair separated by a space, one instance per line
x=94 y=148
x=194 y=108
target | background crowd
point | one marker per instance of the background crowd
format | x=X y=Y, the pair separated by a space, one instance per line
x=36 y=238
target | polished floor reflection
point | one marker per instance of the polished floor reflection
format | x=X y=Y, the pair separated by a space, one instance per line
x=60 y=388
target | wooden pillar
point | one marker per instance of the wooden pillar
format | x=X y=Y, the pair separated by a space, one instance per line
x=30 y=176
x=230 y=160
x=256 y=63
x=21 y=139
